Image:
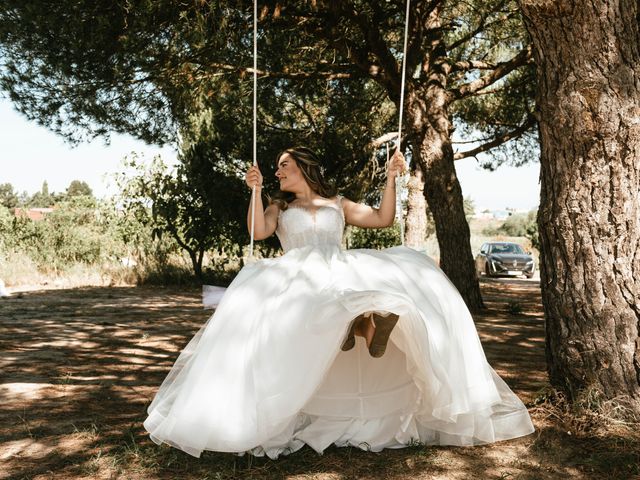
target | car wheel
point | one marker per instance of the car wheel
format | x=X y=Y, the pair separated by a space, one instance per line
x=528 y=275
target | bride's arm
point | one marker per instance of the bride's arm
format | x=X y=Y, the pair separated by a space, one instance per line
x=266 y=220
x=364 y=216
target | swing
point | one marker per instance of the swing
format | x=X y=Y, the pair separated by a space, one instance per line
x=398 y=141
x=211 y=295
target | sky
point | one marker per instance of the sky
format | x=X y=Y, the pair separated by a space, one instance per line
x=31 y=154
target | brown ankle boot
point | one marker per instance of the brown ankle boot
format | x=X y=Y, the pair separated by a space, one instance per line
x=383 y=328
x=350 y=341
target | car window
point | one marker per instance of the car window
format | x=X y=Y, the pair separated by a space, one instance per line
x=506 y=248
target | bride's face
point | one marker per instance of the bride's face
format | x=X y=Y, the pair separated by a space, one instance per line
x=289 y=174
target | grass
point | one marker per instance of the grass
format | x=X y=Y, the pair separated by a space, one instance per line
x=18 y=270
x=592 y=414
x=607 y=429
x=21 y=271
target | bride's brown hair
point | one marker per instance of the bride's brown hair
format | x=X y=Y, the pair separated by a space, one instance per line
x=311 y=169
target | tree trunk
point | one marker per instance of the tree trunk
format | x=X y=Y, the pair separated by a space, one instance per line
x=415 y=233
x=429 y=128
x=196 y=257
x=588 y=59
x=194 y=263
x=199 y=260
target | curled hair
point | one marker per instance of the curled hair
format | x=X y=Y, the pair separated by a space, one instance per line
x=311 y=169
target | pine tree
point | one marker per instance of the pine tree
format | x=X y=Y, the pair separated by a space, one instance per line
x=588 y=58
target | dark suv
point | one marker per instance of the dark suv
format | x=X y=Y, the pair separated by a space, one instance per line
x=504 y=258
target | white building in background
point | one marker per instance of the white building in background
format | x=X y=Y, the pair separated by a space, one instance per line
x=487 y=214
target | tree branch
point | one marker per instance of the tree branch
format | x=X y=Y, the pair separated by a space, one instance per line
x=329 y=75
x=375 y=43
x=502 y=69
x=463 y=65
x=326 y=24
x=381 y=140
x=481 y=26
x=497 y=141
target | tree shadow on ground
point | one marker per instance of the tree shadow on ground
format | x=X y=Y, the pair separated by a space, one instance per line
x=80 y=366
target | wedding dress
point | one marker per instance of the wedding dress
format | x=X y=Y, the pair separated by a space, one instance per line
x=266 y=374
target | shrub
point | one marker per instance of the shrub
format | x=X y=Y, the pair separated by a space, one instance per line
x=376 y=238
x=518 y=225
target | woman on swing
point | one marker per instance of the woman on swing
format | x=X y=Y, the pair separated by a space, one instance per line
x=302 y=186
x=373 y=349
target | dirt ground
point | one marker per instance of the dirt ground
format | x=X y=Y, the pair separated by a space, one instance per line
x=79 y=367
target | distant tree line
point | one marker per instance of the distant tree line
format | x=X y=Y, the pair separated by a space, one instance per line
x=10 y=198
x=519 y=225
x=85 y=234
x=168 y=225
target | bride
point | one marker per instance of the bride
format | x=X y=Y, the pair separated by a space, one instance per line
x=367 y=348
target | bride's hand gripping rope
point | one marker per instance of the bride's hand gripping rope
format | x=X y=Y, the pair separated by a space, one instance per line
x=397 y=165
x=253 y=177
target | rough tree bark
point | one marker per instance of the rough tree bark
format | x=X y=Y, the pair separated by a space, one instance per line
x=430 y=130
x=588 y=67
x=415 y=233
x=429 y=126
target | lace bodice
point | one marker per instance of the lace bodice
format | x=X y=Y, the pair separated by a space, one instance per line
x=300 y=226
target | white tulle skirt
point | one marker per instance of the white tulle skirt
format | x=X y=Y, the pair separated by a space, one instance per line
x=265 y=374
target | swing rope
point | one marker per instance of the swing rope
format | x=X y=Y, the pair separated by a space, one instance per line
x=400 y=113
x=255 y=120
